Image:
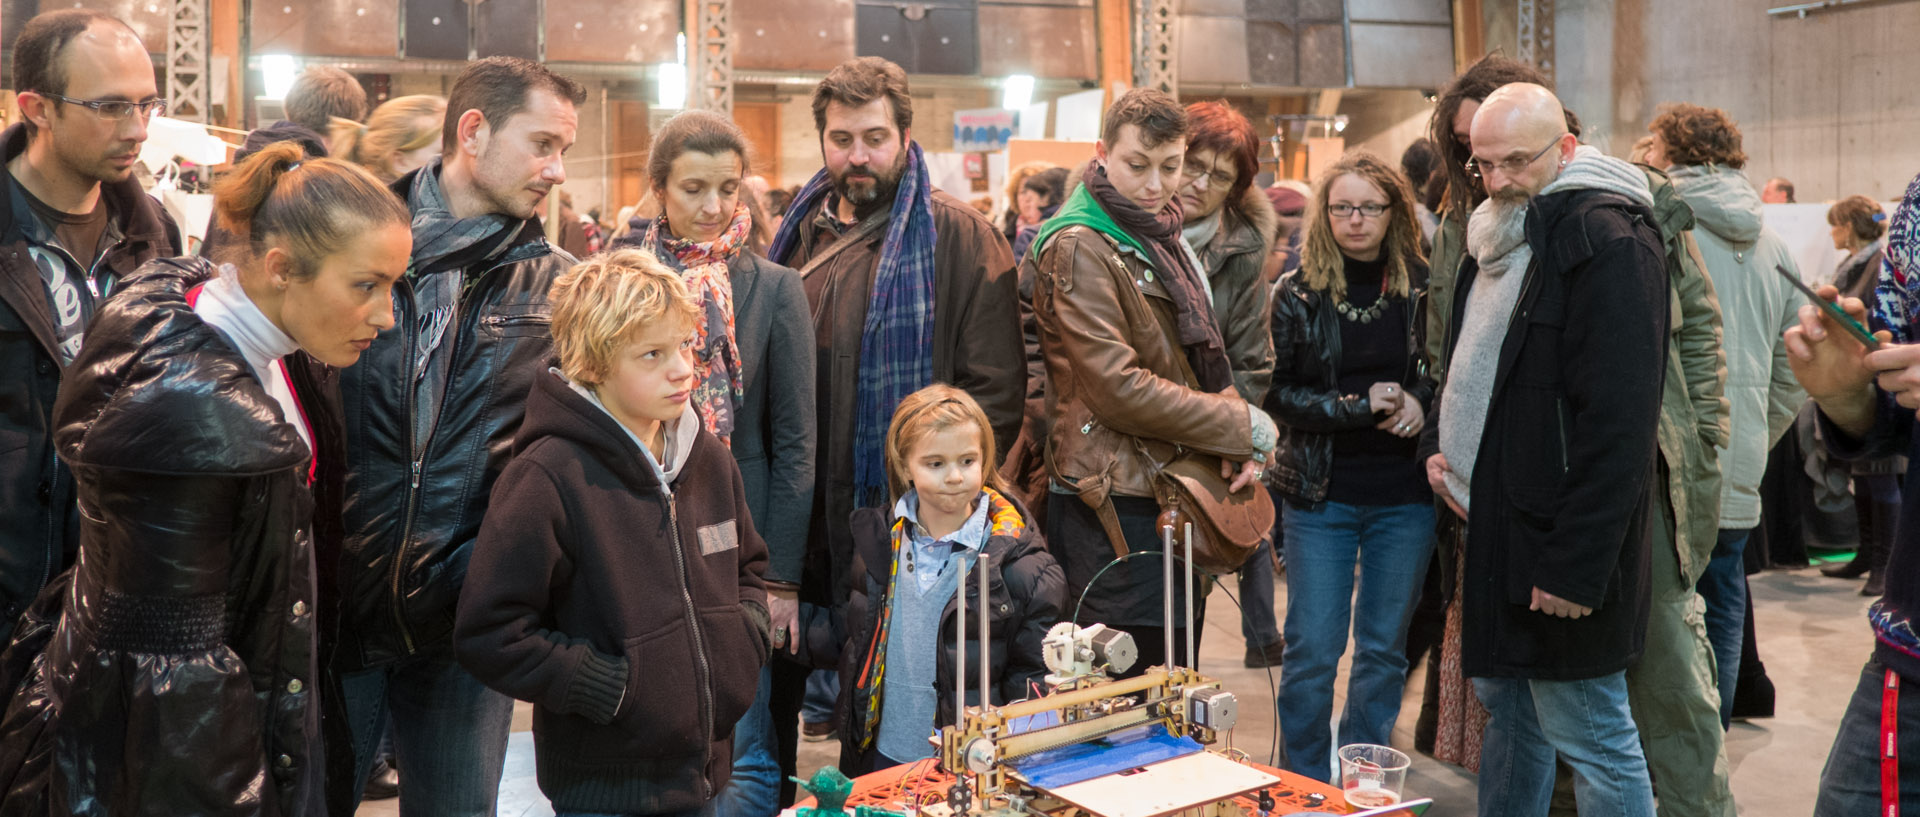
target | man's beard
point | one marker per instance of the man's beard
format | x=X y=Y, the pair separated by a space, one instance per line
x=100 y=169
x=877 y=184
x=504 y=199
x=1511 y=196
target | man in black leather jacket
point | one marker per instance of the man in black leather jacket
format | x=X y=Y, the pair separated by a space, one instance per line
x=430 y=415
x=68 y=181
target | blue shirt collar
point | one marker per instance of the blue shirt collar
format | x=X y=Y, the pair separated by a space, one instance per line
x=971 y=535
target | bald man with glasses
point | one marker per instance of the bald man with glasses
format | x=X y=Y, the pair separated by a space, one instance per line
x=1544 y=441
x=73 y=222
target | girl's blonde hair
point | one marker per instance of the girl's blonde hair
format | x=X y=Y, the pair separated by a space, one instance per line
x=1323 y=265
x=399 y=125
x=932 y=410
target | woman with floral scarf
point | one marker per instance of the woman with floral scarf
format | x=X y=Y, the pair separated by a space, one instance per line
x=753 y=383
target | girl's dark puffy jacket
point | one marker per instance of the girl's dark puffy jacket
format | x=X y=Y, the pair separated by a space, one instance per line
x=1027 y=594
x=178 y=671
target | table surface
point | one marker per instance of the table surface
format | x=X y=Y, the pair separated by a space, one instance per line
x=924 y=782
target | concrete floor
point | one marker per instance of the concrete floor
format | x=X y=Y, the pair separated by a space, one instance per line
x=1813 y=638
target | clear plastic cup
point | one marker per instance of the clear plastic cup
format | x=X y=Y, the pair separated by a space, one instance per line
x=1372 y=776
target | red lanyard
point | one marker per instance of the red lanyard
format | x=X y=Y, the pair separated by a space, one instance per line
x=1890 y=746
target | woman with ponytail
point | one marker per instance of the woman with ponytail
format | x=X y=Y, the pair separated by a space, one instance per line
x=753 y=385
x=180 y=672
x=402 y=134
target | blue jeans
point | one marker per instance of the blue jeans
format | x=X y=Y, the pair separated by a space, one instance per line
x=1587 y=723
x=1850 y=783
x=754 y=789
x=823 y=688
x=1724 y=587
x=1391 y=545
x=449 y=733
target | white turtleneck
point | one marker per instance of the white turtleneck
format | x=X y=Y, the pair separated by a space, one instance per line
x=225 y=306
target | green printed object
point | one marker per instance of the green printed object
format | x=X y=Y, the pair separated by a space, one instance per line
x=830 y=789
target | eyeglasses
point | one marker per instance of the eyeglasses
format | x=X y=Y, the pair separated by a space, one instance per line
x=116 y=109
x=1215 y=178
x=1347 y=210
x=1509 y=167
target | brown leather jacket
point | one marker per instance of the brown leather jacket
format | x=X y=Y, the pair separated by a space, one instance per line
x=1118 y=386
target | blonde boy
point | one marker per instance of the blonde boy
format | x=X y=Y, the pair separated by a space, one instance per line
x=616 y=583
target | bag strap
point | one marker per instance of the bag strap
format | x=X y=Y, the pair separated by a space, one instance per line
x=1110 y=522
x=859 y=233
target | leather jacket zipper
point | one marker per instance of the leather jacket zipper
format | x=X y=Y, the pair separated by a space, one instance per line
x=514 y=320
x=412 y=505
x=419 y=452
x=699 y=640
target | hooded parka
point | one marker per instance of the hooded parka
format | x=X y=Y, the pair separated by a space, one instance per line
x=1756 y=307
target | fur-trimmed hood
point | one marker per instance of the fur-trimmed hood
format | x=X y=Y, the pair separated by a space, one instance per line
x=1256 y=210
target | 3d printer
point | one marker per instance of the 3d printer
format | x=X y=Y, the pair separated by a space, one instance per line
x=1095 y=746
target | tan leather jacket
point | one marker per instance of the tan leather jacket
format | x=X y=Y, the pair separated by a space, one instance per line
x=1118 y=387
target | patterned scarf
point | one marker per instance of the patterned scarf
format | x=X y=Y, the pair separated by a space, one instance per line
x=703 y=266
x=1897 y=305
x=441 y=241
x=896 y=343
x=1003 y=519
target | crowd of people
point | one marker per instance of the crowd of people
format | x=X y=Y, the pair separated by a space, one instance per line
x=292 y=522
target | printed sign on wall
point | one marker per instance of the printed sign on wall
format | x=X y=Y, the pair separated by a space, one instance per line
x=983 y=130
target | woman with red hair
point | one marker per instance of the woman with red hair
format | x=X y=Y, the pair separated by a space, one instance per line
x=1230 y=226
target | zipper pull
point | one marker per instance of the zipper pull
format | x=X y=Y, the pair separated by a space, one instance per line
x=415 y=482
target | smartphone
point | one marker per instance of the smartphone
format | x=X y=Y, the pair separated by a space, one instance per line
x=1833 y=310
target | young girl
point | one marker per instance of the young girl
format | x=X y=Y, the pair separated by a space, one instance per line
x=896 y=672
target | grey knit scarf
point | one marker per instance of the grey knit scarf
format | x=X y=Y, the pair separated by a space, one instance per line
x=1497 y=240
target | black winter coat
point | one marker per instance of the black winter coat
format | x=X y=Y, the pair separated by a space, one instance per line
x=1027 y=593
x=631 y=613
x=1305 y=400
x=1562 y=483
x=424 y=450
x=38 y=528
x=180 y=677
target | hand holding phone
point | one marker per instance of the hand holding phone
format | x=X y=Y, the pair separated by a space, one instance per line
x=1836 y=373
x=1833 y=310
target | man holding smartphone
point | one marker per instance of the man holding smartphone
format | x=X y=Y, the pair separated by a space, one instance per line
x=1867 y=401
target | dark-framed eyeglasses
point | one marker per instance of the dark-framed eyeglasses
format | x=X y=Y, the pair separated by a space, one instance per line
x=116 y=109
x=1510 y=167
x=1347 y=210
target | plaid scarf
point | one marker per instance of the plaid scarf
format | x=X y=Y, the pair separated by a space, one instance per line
x=1003 y=519
x=1896 y=306
x=719 y=388
x=441 y=241
x=896 y=342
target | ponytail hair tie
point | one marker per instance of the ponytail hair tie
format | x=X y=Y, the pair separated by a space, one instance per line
x=292 y=166
x=1879 y=217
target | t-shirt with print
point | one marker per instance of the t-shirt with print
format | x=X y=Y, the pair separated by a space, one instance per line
x=65 y=263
